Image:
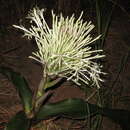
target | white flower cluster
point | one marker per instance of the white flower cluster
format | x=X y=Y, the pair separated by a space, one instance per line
x=64 y=49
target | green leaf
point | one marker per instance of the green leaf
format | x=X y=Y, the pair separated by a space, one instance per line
x=18 y=122
x=71 y=108
x=80 y=109
x=22 y=86
x=104 y=11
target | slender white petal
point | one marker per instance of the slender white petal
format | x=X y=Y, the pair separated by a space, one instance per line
x=65 y=48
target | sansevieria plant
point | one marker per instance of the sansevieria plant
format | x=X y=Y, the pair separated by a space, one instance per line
x=64 y=52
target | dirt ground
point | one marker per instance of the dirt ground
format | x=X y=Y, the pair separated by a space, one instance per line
x=14 y=52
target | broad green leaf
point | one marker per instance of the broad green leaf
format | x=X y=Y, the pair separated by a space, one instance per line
x=71 y=108
x=18 y=122
x=21 y=85
x=80 y=109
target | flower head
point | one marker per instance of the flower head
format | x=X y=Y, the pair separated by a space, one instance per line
x=64 y=49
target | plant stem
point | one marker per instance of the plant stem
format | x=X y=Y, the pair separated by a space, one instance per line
x=41 y=100
x=40 y=91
